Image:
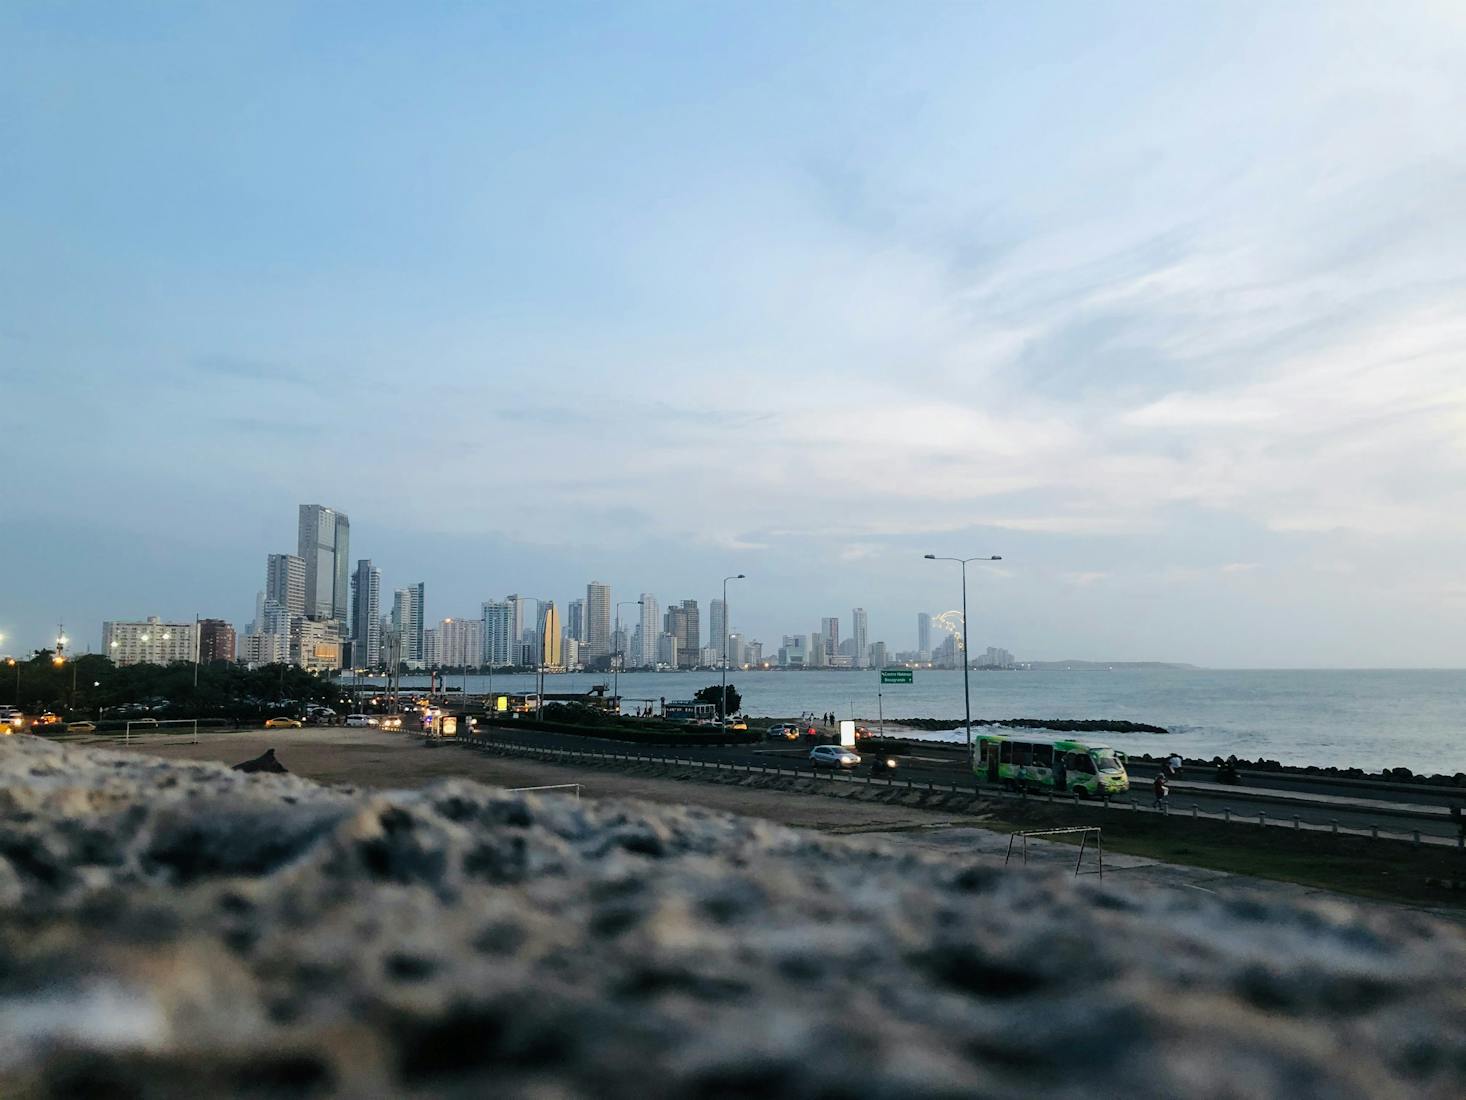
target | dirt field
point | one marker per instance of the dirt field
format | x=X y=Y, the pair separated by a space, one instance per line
x=371 y=758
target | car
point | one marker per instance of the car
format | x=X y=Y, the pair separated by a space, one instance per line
x=282 y=723
x=783 y=732
x=832 y=756
x=361 y=720
x=735 y=724
x=391 y=722
x=81 y=727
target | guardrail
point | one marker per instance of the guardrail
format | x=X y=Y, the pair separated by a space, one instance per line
x=551 y=754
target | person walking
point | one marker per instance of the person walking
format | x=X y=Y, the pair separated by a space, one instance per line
x=1162 y=792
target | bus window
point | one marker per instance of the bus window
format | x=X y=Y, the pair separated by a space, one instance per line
x=1043 y=756
x=1022 y=754
x=1079 y=762
x=1005 y=752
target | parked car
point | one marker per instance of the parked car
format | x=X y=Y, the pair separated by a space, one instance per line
x=282 y=723
x=735 y=724
x=144 y=721
x=832 y=756
x=783 y=732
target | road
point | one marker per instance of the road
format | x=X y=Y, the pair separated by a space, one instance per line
x=1313 y=803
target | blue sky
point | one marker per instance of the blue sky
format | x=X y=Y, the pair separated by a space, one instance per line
x=1164 y=303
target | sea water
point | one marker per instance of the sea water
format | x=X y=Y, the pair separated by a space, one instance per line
x=1371 y=719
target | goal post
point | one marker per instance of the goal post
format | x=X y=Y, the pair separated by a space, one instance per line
x=173 y=726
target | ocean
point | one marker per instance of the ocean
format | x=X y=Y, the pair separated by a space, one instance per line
x=1370 y=719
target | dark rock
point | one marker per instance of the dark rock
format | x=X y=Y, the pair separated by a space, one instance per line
x=265 y=762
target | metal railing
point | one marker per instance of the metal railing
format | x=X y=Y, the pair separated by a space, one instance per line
x=1130 y=805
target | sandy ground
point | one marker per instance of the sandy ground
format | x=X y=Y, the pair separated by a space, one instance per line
x=371 y=758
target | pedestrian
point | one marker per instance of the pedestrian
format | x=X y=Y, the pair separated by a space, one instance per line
x=1173 y=765
x=1162 y=791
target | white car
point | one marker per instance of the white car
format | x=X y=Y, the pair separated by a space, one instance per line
x=361 y=720
x=832 y=756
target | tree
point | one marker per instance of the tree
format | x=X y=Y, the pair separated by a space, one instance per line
x=710 y=694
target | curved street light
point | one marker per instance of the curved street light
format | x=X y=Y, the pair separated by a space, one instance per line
x=966 y=654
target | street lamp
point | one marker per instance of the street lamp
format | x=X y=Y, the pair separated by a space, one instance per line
x=966 y=655
x=616 y=658
x=723 y=699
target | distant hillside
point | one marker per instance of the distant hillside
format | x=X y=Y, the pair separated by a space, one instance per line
x=1101 y=666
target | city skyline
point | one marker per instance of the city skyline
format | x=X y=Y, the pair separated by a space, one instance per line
x=1165 y=311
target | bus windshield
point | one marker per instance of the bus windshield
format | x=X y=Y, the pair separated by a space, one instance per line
x=1105 y=760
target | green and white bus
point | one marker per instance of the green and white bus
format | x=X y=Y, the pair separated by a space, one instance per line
x=1027 y=762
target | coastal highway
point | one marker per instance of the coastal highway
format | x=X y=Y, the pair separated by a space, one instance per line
x=1395 y=811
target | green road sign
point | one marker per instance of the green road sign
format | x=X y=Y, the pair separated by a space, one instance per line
x=895 y=676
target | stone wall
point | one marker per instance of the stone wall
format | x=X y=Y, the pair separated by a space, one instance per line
x=183 y=930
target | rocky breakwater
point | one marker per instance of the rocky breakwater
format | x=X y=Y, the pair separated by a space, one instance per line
x=184 y=930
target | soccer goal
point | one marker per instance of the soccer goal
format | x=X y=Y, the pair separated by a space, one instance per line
x=155 y=725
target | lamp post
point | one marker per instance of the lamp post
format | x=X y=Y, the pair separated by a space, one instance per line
x=616 y=657
x=723 y=699
x=966 y=656
x=16 y=665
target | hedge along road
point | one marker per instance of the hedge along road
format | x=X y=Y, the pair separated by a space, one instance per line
x=1392 y=817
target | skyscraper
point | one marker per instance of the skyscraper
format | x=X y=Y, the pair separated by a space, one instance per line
x=689 y=648
x=923 y=636
x=717 y=627
x=325 y=546
x=830 y=632
x=285 y=583
x=498 y=620
x=575 y=620
x=859 y=629
x=651 y=630
x=550 y=637
x=366 y=613
x=517 y=629
x=407 y=620
x=597 y=619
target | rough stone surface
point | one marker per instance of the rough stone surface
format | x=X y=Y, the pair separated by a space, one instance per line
x=186 y=930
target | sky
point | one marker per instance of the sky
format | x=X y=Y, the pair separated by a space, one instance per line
x=1163 y=303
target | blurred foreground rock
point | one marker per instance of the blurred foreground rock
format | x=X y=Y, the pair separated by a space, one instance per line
x=184 y=930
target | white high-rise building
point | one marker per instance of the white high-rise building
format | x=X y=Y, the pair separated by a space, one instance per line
x=651 y=630
x=256 y=650
x=498 y=633
x=923 y=636
x=459 y=643
x=149 y=641
x=717 y=629
x=597 y=620
x=325 y=547
x=407 y=620
x=830 y=634
x=859 y=629
x=518 y=622
x=285 y=582
x=366 y=613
